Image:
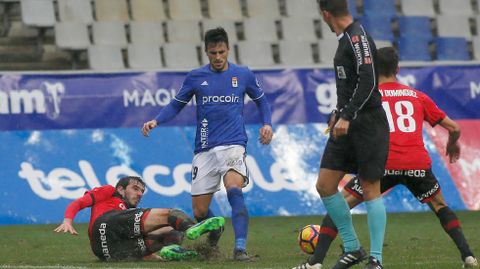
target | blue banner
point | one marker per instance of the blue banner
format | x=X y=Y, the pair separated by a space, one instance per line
x=77 y=101
x=63 y=134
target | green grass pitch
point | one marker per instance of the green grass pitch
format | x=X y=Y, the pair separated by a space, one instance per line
x=413 y=240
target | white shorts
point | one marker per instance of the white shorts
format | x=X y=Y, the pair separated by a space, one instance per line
x=209 y=168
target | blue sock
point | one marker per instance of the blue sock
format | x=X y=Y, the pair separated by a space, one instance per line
x=377 y=220
x=209 y=215
x=339 y=211
x=239 y=217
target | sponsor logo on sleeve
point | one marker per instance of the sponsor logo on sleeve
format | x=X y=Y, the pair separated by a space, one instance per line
x=341 y=72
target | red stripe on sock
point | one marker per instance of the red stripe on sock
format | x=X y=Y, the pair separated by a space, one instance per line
x=452 y=225
x=329 y=231
x=177 y=224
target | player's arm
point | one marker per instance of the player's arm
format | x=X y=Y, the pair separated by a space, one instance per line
x=70 y=213
x=367 y=81
x=256 y=93
x=452 y=148
x=434 y=116
x=173 y=108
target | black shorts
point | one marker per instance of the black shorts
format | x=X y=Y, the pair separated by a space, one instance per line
x=117 y=235
x=364 y=149
x=421 y=183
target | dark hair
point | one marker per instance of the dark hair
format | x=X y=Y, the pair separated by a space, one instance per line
x=123 y=182
x=337 y=8
x=387 y=61
x=216 y=35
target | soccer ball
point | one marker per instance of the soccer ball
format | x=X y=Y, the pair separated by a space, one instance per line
x=308 y=237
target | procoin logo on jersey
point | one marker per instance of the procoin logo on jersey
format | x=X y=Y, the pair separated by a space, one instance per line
x=234 y=82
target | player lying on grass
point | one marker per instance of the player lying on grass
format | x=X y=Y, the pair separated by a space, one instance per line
x=408 y=161
x=118 y=230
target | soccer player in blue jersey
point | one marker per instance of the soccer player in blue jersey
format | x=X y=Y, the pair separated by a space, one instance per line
x=219 y=89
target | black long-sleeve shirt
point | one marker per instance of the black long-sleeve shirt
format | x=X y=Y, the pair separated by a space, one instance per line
x=356 y=75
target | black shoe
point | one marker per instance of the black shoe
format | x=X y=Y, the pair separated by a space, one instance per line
x=214 y=236
x=350 y=258
x=373 y=263
x=240 y=255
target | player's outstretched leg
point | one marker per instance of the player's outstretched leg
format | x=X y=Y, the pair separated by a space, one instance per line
x=179 y=220
x=451 y=225
x=373 y=263
x=207 y=225
x=177 y=253
x=213 y=236
x=328 y=233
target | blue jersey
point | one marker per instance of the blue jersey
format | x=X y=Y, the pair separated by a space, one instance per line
x=220 y=98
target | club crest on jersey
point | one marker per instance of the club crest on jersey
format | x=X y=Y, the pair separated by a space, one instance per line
x=341 y=72
x=234 y=82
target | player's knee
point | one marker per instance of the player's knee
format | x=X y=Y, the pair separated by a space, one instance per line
x=324 y=189
x=200 y=211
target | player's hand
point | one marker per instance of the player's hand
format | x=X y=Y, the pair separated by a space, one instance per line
x=331 y=122
x=66 y=226
x=148 y=126
x=453 y=152
x=340 y=128
x=266 y=134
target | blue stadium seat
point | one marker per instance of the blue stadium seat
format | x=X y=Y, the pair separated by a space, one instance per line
x=411 y=49
x=352 y=7
x=379 y=27
x=416 y=27
x=452 y=49
x=380 y=8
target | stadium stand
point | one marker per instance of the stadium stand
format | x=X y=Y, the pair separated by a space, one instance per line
x=255 y=53
x=418 y=8
x=298 y=28
x=302 y=8
x=263 y=9
x=457 y=7
x=189 y=51
x=414 y=49
x=415 y=27
x=379 y=27
x=109 y=33
x=453 y=25
x=183 y=31
x=111 y=10
x=146 y=32
x=225 y=10
x=147 y=10
x=384 y=8
x=260 y=29
x=452 y=49
x=295 y=53
x=185 y=10
x=57 y=34
x=75 y=11
x=105 y=57
x=144 y=56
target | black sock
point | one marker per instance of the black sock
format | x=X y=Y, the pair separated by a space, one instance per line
x=179 y=220
x=328 y=233
x=451 y=225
